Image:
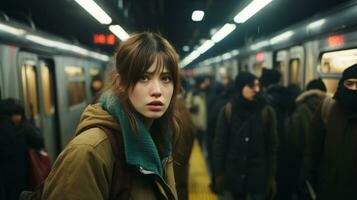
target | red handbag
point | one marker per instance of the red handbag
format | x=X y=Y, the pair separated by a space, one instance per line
x=40 y=167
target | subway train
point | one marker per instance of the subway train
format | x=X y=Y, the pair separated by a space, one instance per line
x=51 y=76
x=321 y=47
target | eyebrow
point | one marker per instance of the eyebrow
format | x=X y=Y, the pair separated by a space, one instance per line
x=153 y=72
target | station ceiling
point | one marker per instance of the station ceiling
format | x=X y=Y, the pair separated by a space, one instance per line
x=172 y=18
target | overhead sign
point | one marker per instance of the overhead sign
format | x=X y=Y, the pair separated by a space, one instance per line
x=105 y=39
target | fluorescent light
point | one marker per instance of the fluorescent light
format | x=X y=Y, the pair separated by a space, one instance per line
x=193 y=55
x=42 y=41
x=226 y=56
x=250 y=10
x=99 y=56
x=235 y=52
x=12 y=30
x=97 y=12
x=205 y=46
x=223 y=32
x=281 y=37
x=119 y=32
x=316 y=24
x=197 y=15
x=259 y=45
x=185 y=48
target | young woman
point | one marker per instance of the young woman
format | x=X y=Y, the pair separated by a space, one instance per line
x=138 y=107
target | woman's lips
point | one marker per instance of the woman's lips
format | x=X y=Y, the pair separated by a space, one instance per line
x=155 y=106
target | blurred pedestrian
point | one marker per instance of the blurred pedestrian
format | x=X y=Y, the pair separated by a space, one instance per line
x=16 y=137
x=330 y=156
x=245 y=143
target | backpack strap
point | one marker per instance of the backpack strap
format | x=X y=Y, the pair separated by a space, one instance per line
x=120 y=186
x=327 y=104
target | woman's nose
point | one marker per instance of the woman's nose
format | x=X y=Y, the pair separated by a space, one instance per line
x=156 y=89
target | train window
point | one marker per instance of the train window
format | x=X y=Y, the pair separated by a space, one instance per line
x=257 y=69
x=47 y=81
x=94 y=72
x=29 y=80
x=72 y=71
x=331 y=85
x=76 y=92
x=337 y=61
x=294 y=71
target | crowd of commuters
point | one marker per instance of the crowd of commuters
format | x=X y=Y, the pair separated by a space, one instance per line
x=261 y=140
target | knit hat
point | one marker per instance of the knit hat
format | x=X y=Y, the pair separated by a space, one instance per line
x=350 y=72
x=269 y=76
x=316 y=84
x=243 y=79
x=11 y=106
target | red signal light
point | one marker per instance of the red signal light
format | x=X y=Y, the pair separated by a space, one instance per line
x=336 y=40
x=110 y=39
x=99 y=39
x=259 y=57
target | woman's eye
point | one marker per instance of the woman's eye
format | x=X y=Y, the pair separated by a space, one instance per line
x=144 y=78
x=166 y=78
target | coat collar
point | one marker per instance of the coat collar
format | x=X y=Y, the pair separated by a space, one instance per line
x=139 y=148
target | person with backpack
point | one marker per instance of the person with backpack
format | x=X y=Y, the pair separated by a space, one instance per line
x=245 y=143
x=123 y=143
x=330 y=158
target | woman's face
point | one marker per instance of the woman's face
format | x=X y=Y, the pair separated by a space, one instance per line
x=250 y=91
x=151 y=95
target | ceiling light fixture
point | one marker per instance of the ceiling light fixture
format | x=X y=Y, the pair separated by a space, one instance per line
x=205 y=46
x=316 y=24
x=197 y=15
x=282 y=37
x=223 y=32
x=96 y=11
x=254 y=7
x=12 y=30
x=119 y=32
x=186 y=48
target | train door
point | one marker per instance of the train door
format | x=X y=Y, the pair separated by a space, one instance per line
x=332 y=64
x=280 y=63
x=1 y=81
x=296 y=63
x=38 y=94
x=49 y=114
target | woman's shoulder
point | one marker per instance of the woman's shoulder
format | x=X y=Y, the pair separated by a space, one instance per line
x=93 y=141
x=93 y=137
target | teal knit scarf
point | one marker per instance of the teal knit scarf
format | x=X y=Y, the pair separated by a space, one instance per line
x=139 y=149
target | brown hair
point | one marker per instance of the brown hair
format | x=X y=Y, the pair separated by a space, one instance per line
x=133 y=58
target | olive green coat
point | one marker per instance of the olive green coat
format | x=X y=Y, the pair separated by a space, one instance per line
x=83 y=171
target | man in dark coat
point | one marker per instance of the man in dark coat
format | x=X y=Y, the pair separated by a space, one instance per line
x=292 y=143
x=245 y=143
x=330 y=159
x=16 y=136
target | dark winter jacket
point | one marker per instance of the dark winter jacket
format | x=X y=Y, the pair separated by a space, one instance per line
x=245 y=147
x=13 y=160
x=331 y=154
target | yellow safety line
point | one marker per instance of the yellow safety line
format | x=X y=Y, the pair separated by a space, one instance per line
x=199 y=180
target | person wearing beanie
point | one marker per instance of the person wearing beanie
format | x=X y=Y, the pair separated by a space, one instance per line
x=269 y=77
x=17 y=135
x=244 y=148
x=316 y=84
x=330 y=155
x=292 y=142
